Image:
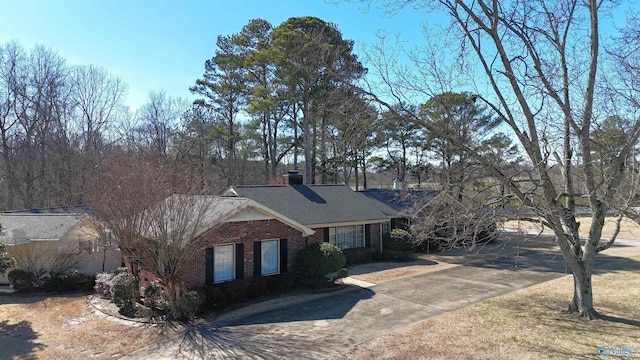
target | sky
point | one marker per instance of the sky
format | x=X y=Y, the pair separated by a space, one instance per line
x=162 y=45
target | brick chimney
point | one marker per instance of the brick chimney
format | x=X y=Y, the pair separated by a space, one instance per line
x=293 y=177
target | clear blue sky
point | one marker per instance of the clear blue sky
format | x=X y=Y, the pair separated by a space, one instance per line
x=155 y=45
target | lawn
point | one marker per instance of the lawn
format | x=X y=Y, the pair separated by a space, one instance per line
x=628 y=228
x=526 y=324
x=66 y=327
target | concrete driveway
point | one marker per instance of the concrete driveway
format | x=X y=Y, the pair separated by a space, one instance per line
x=325 y=327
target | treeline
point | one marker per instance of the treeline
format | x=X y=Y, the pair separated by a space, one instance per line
x=270 y=97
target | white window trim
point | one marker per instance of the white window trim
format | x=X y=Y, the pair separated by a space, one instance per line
x=277 y=257
x=233 y=263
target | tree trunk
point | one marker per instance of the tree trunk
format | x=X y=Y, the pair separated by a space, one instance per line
x=582 y=302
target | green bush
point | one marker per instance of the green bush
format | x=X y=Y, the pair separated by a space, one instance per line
x=186 y=307
x=319 y=259
x=153 y=295
x=214 y=297
x=125 y=291
x=69 y=282
x=21 y=280
x=103 y=285
x=398 y=239
x=358 y=255
x=383 y=256
x=281 y=282
x=342 y=273
x=235 y=290
x=257 y=287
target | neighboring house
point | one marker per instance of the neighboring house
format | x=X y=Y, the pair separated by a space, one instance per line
x=37 y=236
x=336 y=213
x=238 y=238
x=405 y=204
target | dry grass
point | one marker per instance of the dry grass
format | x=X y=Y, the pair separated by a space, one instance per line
x=65 y=327
x=526 y=324
x=400 y=272
x=628 y=228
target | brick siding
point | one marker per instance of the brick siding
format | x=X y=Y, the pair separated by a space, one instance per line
x=246 y=232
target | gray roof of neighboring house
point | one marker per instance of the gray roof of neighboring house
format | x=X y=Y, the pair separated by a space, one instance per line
x=315 y=204
x=21 y=228
x=76 y=209
x=404 y=202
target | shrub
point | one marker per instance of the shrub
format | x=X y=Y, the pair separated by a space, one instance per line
x=235 y=290
x=318 y=259
x=214 y=297
x=342 y=273
x=359 y=255
x=120 y=270
x=398 y=239
x=103 y=285
x=125 y=291
x=21 y=280
x=69 y=282
x=383 y=256
x=281 y=282
x=257 y=287
x=153 y=295
x=186 y=307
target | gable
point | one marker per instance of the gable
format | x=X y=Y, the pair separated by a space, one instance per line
x=249 y=214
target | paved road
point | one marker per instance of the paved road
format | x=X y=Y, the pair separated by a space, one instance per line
x=325 y=327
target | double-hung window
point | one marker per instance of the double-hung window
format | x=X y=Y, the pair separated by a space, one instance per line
x=270 y=257
x=224 y=263
x=385 y=228
x=346 y=237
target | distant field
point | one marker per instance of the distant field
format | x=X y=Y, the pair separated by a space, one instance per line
x=628 y=228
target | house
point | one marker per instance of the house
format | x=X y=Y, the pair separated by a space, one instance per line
x=405 y=204
x=45 y=239
x=336 y=213
x=232 y=238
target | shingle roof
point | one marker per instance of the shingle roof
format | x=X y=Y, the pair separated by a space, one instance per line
x=22 y=228
x=314 y=204
x=77 y=209
x=182 y=212
x=403 y=202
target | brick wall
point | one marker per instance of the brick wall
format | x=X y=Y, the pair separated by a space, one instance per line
x=245 y=232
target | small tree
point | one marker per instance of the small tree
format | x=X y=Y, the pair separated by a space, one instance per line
x=155 y=230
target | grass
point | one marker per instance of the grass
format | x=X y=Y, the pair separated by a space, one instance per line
x=65 y=327
x=628 y=228
x=526 y=324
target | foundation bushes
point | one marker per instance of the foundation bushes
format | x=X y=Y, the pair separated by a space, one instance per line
x=69 y=282
x=186 y=307
x=319 y=259
x=21 y=280
x=281 y=282
x=217 y=296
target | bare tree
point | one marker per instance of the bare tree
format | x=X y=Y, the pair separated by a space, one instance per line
x=157 y=120
x=538 y=64
x=97 y=94
x=132 y=195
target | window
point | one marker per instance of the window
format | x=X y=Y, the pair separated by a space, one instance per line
x=223 y=263
x=270 y=259
x=346 y=237
x=385 y=228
